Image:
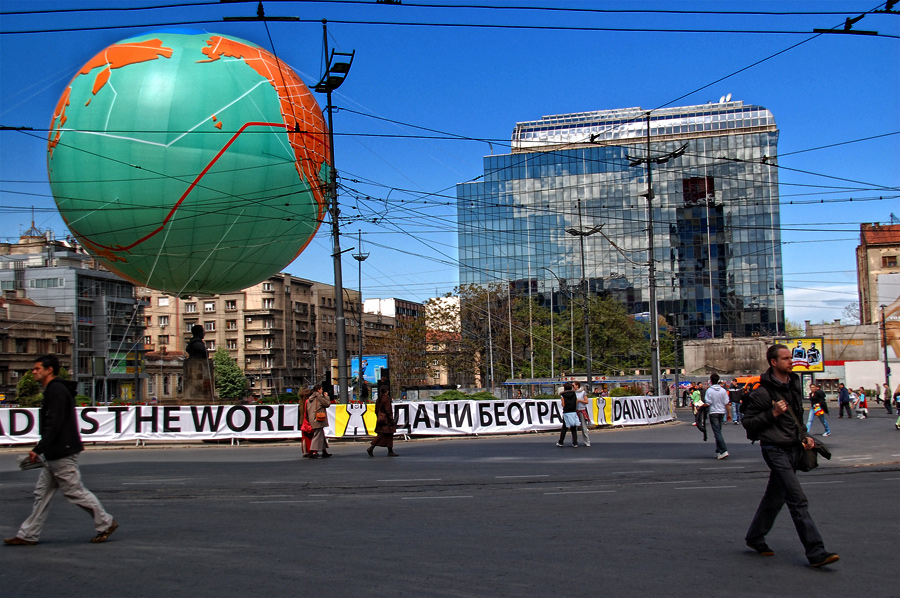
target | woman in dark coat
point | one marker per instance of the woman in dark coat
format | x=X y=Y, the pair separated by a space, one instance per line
x=385 y=426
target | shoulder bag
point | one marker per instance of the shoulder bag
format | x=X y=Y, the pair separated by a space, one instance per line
x=809 y=458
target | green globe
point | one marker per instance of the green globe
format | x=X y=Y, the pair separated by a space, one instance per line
x=189 y=162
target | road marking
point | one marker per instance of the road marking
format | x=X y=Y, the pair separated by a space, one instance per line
x=704 y=487
x=579 y=492
x=432 y=497
x=638 y=471
x=890 y=479
x=506 y=477
x=735 y=467
x=856 y=458
x=269 y=502
x=832 y=482
x=675 y=482
x=413 y=480
x=281 y=482
x=145 y=483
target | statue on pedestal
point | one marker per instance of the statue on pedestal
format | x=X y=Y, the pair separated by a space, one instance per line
x=199 y=385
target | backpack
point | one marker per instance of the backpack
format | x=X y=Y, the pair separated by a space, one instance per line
x=744 y=393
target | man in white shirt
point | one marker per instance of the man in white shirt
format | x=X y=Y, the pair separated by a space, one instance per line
x=717 y=399
x=582 y=404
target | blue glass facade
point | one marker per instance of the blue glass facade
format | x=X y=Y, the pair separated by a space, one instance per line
x=717 y=242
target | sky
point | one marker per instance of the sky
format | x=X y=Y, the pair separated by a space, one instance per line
x=434 y=88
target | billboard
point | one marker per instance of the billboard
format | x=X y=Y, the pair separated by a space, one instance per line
x=806 y=354
x=373 y=365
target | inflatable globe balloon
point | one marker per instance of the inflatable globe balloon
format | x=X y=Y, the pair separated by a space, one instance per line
x=189 y=162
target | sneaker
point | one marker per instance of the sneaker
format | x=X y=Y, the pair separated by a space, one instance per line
x=17 y=541
x=762 y=548
x=559 y=444
x=827 y=559
x=104 y=535
x=827 y=434
x=587 y=444
x=722 y=455
x=574 y=445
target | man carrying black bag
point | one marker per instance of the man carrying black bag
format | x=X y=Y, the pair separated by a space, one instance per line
x=767 y=417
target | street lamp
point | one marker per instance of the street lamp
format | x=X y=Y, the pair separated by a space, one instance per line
x=571 y=321
x=581 y=234
x=360 y=257
x=654 y=316
x=335 y=73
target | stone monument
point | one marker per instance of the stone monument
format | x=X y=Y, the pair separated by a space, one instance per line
x=199 y=386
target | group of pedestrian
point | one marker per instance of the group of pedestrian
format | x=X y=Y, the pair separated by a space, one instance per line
x=772 y=416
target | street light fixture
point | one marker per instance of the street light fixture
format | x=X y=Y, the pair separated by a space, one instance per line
x=581 y=233
x=360 y=257
x=335 y=74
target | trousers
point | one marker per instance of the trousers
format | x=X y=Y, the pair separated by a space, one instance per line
x=715 y=421
x=582 y=418
x=62 y=474
x=784 y=488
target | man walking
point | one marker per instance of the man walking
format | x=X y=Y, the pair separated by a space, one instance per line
x=717 y=398
x=772 y=416
x=843 y=401
x=60 y=444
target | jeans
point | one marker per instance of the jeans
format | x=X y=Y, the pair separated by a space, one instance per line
x=715 y=420
x=822 y=419
x=784 y=487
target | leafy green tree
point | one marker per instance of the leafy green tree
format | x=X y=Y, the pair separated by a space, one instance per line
x=28 y=391
x=231 y=384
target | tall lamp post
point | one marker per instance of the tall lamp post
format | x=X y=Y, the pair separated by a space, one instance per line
x=581 y=234
x=360 y=257
x=654 y=316
x=335 y=73
x=887 y=368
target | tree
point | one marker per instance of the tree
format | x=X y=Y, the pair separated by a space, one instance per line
x=231 y=384
x=28 y=391
x=793 y=329
x=850 y=315
x=405 y=348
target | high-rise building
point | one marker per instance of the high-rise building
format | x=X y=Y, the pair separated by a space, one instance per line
x=108 y=329
x=583 y=178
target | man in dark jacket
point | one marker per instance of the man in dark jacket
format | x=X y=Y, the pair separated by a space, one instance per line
x=767 y=418
x=844 y=401
x=60 y=444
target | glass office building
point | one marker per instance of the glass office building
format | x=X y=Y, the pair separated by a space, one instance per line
x=583 y=178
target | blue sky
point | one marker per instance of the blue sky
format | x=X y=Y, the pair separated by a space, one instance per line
x=475 y=83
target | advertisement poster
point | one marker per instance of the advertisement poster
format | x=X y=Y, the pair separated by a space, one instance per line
x=806 y=354
x=373 y=365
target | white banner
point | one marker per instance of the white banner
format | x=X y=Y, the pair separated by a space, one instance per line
x=429 y=418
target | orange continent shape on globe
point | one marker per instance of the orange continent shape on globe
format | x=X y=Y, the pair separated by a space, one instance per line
x=115 y=56
x=299 y=109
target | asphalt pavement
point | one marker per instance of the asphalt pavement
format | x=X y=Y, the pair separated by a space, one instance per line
x=644 y=511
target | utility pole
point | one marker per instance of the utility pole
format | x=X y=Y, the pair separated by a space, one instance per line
x=335 y=74
x=360 y=257
x=887 y=368
x=654 y=316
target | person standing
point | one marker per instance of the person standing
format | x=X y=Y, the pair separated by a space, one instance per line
x=385 y=424
x=772 y=416
x=717 y=399
x=818 y=408
x=735 y=395
x=317 y=415
x=843 y=401
x=60 y=445
x=886 y=393
x=862 y=404
x=582 y=404
x=570 y=418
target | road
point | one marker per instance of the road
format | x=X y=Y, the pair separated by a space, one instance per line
x=643 y=512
